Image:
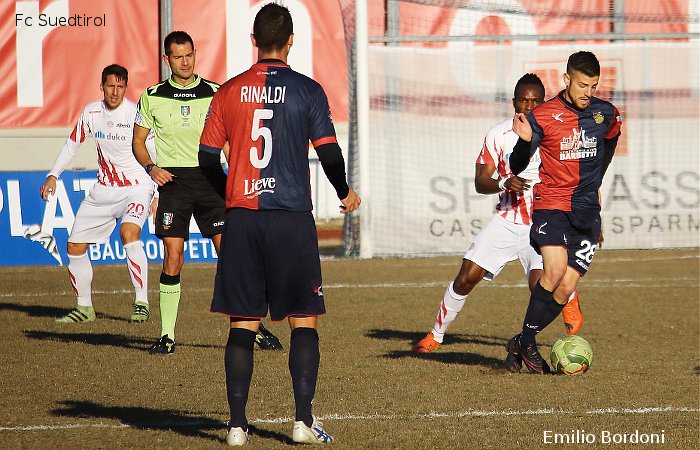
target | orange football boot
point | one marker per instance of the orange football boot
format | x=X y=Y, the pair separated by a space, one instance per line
x=573 y=318
x=427 y=344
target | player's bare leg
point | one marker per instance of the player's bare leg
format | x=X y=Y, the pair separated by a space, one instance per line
x=137 y=263
x=470 y=274
x=80 y=274
x=571 y=313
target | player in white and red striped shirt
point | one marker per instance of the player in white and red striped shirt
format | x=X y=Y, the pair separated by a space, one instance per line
x=507 y=236
x=123 y=191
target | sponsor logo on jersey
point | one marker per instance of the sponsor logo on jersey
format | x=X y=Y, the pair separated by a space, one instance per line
x=598 y=118
x=252 y=188
x=185 y=110
x=109 y=136
x=185 y=95
x=219 y=224
x=578 y=146
x=558 y=117
x=123 y=125
x=319 y=291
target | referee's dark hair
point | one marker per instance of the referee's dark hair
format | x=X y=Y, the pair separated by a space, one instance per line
x=119 y=72
x=584 y=62
x=529 y=79
x=176 y=37
x=272 y=27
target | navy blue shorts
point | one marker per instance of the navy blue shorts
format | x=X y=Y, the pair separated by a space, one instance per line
x=268 y=259
x=577 y=231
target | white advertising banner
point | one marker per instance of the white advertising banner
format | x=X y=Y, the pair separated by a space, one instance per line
x=431 y=109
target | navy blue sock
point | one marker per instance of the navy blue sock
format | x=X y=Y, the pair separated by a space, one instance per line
x=541 y=311
x=238 y=362
x=304 y=359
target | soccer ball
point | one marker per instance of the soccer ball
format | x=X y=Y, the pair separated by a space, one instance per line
x=571 y=355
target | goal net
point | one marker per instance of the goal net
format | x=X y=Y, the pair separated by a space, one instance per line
x=441 y=73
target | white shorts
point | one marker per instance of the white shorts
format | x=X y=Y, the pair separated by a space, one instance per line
x=500 y=242
x=98 y=213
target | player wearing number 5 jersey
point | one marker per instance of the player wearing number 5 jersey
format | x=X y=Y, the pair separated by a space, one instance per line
x=269 y=251
x=123 y=190
x=576 y=134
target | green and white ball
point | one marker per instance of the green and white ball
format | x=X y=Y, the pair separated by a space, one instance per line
x=571 y=355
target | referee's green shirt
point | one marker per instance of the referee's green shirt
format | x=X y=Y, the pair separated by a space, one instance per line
x=177 y=115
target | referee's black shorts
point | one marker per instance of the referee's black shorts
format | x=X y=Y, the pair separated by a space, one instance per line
x=189 y=194
x=268 y=259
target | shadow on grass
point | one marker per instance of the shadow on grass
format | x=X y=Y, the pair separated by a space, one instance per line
x=180 y=422
x=53 y=311
x=465 y=358
x=413 y=337
x=145 y=418
x=34 y=310
x=109 y=339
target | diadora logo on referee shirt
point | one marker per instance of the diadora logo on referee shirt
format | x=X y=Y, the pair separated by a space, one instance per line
x=253 y=188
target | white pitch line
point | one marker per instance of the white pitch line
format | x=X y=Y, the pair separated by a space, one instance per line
x=431 y=415
x=669 y=282
x=598 y=260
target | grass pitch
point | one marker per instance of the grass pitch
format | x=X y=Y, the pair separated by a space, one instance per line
x=95 y=385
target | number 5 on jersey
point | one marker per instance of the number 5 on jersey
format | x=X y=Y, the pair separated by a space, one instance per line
x=258 y=131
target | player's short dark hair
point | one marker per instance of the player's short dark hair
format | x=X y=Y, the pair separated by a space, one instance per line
x=119 y=72
x=176 y=37
x=529 y=79
x=584 y=62
x=272 y=27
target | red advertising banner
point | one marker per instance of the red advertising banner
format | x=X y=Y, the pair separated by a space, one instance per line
x=53 y=51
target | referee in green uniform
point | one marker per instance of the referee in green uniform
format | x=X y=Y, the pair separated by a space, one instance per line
x=176 y=109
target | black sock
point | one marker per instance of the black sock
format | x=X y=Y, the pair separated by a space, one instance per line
x=170 y=280
x=238 y=362
x=304 y=358
x=541 y=311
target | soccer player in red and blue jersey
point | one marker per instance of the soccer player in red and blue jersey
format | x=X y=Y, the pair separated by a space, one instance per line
x=576 y=134
x=269 y=249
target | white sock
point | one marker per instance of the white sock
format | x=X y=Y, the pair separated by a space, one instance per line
x=80 y=273
x=137 y=263
x=571 y=297
x=451 y=305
